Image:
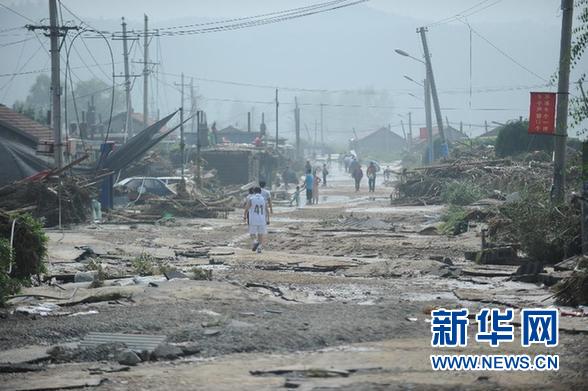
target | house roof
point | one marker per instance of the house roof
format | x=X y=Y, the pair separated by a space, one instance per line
x=231 y=129
x=382 y=131
x=20 y=122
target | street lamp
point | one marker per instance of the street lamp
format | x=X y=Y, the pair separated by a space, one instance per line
x=413 y=80
x=405 y=54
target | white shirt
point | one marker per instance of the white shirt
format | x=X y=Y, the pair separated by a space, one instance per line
x=257 y=210
x=266 y=195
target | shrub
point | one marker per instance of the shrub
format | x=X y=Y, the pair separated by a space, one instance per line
x=513 y=138
x=144 y=264
x=546 y=233
x=30 y=244
x=454 y=221
x=461 y=193
x=8 y=285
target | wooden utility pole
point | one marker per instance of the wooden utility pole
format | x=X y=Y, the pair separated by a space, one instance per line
x=128 y=123
x=403 y=131
x=182 y=143
x=409 y=130
x=563 y=89
x=433 y=87
x=55 y=84
x=55 y=32
x=297 y=127
x=192 y=105
x=277 y=115
x=322 y=128
x=198 y=146
x=146 y=73
x=249 y=122
x=429 y=121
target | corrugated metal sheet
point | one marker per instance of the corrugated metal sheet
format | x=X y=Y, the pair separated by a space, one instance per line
x=136 y=342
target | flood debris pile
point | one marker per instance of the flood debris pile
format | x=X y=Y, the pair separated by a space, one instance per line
x=573 y=290
x=188 y=202
x=428 y=184
x=46 y=200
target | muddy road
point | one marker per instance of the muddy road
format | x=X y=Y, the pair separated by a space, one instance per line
x=339 y=299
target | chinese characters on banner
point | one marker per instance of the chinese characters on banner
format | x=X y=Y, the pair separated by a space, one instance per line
x=542 y=113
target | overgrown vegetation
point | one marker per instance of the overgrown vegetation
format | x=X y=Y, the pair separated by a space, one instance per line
x=144 y=264
x=201 y=274
x=545 y=232
x=454 y=220
x=514 y=139
x=573 y=291
x=461 y=193
x=30 y=248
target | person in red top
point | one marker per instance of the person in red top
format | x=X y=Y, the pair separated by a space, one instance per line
x=357 y=175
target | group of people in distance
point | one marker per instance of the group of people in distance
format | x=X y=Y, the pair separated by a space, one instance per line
x=258 y=204
x=353 y=167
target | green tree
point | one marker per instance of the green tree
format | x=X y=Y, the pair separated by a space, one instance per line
x=94 y=89
x=513 y=139
x=37 y=102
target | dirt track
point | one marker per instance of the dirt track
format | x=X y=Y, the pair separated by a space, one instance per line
x=334 y=289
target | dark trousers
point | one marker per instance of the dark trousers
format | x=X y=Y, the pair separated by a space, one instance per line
x=357 y=182
x=372 y=184
x=324 y=180
x=309 y=196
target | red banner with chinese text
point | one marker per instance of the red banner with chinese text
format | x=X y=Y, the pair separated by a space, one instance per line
x=542 y=113
x=423 y=135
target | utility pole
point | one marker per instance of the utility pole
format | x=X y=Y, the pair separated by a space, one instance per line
x=409 y=130
x=198 y=146
x=128 y=124
x=429 y=121
x=403 y=131
x=55 y=84
x=277 y=123
x=297 y=127
x=249 y=122
x=433 y=88
x=182 y=143
x=322 y=128
x=146 y=73
x=192 y=105
x=563 y=89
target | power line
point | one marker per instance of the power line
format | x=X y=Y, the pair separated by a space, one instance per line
x=16 y=42
x=504 y=53
x=465 y=13
x=252 y=21
x=17 y=13
x=265 y=15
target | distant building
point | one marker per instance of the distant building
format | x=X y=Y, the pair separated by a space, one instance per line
x=382 y=142
x=17 y=127
x=451 y=134
x=19 y=139
x=236 y=136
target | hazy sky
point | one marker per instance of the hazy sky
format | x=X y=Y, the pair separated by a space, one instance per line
x=514 y=46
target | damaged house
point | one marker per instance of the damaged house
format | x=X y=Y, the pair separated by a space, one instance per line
x=20 y=137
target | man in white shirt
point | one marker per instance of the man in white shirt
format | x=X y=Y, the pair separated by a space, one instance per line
x=268 y=198
x=258 y=212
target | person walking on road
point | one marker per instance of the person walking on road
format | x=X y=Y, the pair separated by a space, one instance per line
x=258 y=212
x=371 y=174
x=268 y=198
x=325 y=173
x=309 y=183
x=357 y=175
x=315 y=189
